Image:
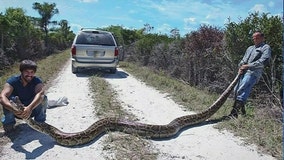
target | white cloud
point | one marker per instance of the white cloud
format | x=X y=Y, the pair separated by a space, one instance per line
x=190 y=20
x=205 y=22
x=88 y=1
x=271 y=4
x=164 y=28
x=159 y=7
x=187 y=29
x=75 y=27
x=190 y=24
x=132 y=11
x=258 y=8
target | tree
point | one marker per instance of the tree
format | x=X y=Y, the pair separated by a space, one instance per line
x=61 y=36
x=47 y=11
x=175 y=33
x=21 y=40
x=147 y=28
x=4 y=25
x=64 y=28
x=202 y=51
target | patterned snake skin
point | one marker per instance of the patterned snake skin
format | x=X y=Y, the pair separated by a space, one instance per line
x=117 y=124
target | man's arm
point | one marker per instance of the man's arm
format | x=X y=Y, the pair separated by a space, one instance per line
x=246 y=56
x=259 y=63
x=243 y=65
x=39 y=90
x=4 y=100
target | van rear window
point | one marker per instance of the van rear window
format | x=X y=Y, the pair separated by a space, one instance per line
x=95 y=38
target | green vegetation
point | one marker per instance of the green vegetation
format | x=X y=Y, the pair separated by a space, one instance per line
x=25 y=37
x=206 y=58
x=258 y=127
x=201 y=63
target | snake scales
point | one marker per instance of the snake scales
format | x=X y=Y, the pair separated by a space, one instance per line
x=126 y=126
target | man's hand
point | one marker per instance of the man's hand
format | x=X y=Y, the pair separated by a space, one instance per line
x=243 y=68
x=26 y=113
x=22 y=111
x=18 y=109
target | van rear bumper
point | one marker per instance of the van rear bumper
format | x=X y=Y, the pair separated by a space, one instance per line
x=112 y=64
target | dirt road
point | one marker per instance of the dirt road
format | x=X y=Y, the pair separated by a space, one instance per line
x=198 y=143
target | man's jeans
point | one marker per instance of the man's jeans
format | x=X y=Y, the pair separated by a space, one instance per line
x=39 y=114
x=245 y=86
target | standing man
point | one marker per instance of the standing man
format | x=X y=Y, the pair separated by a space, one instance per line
x=30 y=91
x=251 y=66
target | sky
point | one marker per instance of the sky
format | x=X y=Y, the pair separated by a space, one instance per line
x=163 y=15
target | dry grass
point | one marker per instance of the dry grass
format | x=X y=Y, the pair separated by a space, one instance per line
x=118 y=145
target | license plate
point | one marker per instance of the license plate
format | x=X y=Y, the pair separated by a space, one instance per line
x=96 y=53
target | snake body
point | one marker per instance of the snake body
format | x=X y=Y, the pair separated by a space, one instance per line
x=117 y=124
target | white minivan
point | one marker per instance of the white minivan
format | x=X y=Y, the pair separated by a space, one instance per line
x=93 y=48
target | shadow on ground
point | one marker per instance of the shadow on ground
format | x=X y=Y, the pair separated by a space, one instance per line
x=102 y=73
x=23 y=135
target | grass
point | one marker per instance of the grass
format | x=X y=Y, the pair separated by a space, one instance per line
x=257 y=127
x=118 y=146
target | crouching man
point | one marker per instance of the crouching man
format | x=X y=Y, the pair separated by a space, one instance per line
x=30 y=90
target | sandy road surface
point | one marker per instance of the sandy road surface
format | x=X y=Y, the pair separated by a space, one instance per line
x=198 y=143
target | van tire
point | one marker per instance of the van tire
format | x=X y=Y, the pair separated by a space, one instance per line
x=113 y=70
x=74 y=69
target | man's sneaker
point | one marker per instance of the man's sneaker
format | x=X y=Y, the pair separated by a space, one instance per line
x=9 y=128
x=232 y=115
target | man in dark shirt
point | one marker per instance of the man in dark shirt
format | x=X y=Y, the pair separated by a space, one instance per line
x=30 y=91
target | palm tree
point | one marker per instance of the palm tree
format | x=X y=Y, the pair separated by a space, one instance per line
x=47 y=11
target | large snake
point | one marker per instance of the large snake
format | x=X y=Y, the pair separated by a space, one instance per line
x=117 y=124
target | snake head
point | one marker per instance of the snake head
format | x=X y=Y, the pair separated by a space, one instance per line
x=16 y=102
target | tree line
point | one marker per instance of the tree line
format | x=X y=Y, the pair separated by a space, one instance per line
x=24 y=36
x=206 y=58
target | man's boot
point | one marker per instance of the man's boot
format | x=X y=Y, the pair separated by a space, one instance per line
x=234 y=113
x=8 y=128
x=242 y=106
x=243 y=110
x=236 y=108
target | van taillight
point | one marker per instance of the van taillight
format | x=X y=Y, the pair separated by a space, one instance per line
x=73 y=50
x=116 y=51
